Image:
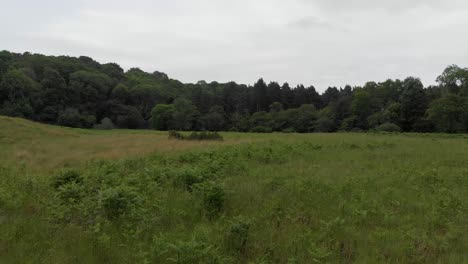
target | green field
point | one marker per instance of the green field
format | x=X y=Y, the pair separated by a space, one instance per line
x=83 y=196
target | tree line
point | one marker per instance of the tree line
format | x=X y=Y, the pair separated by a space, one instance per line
x=80 y=92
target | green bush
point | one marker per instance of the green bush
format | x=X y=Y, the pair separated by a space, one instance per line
x=213 y=196
x=66 y=177
x=188 y=177
x=118 y=201
x=194 y=252
x=176 y=135
x=205 y=136
x=195 y=136
x=237 y=236
x=70 y=193
x=388 y=127
x=106 y=124
x=70 y=117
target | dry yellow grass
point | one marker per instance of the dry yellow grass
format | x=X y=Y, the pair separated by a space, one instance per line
x=44 y=147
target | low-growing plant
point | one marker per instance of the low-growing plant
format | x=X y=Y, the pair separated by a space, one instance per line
x=118 y=201
x=196 y=136
x=213 y=197
x=187 y=178
x=181 y=207
x=388 y=127
x=70 y=193
x=194 y=252
x=66 y=177
x=205 y=136
x=238 y=235
x=176 y=135
x=106 y=124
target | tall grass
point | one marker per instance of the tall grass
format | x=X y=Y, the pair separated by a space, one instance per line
x=323 y=198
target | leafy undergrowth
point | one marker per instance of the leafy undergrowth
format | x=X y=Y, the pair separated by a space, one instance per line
x=196 y=136
x=372 y=201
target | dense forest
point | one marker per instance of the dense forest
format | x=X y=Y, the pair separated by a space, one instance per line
x=80 y=92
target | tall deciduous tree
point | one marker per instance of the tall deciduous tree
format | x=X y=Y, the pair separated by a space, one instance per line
x=260 y=96
x=361 y=107
x=413 y=104
x=162 y=117
x=184 y=114
x=449 y=113
x=16 y=93
x=214 y=120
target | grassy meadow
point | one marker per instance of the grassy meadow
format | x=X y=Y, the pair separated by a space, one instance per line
x=84 y=196
x=45 y=147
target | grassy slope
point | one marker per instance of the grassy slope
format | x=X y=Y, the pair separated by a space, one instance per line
x=364 y=198
x=45 y=147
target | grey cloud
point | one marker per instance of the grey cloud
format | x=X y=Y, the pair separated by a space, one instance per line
x=386 y=5
x=311 y=22
x=319 y=42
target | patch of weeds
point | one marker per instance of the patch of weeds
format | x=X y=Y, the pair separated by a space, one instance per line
x=70 y=193
x=196 y=136
x=213 y=197
x=66 y=177
x=194 y=251
x=118 y=201
x=205 y=136
x=188 y=177
x=238 y=235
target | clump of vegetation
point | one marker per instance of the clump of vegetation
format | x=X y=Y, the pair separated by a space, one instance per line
x=176 y=135
x=205 y=136
x=188 y=178
x=238 y=236
x=213 y=197
x=118 y=201
x=66 y=177
x=195 y=251
x=196 y=136
x=388 y=127
x=106 y=124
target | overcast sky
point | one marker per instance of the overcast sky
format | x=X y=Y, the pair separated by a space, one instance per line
x=313 y=42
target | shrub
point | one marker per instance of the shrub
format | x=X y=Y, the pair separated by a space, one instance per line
x=175 y=135
x=187 y=178
x=117 y=202
x=195 y=136
x=194 y=251
x=262 y=129
x=324 y=124
x=237 y=236
x=69 y=117
x=205 y=136
x=88 y=121
x=388 y=127
x=66 y=177
x=213 y=196
x=106 y=124
x=70 y=193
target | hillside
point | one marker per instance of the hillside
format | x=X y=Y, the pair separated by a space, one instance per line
x=40 y=146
